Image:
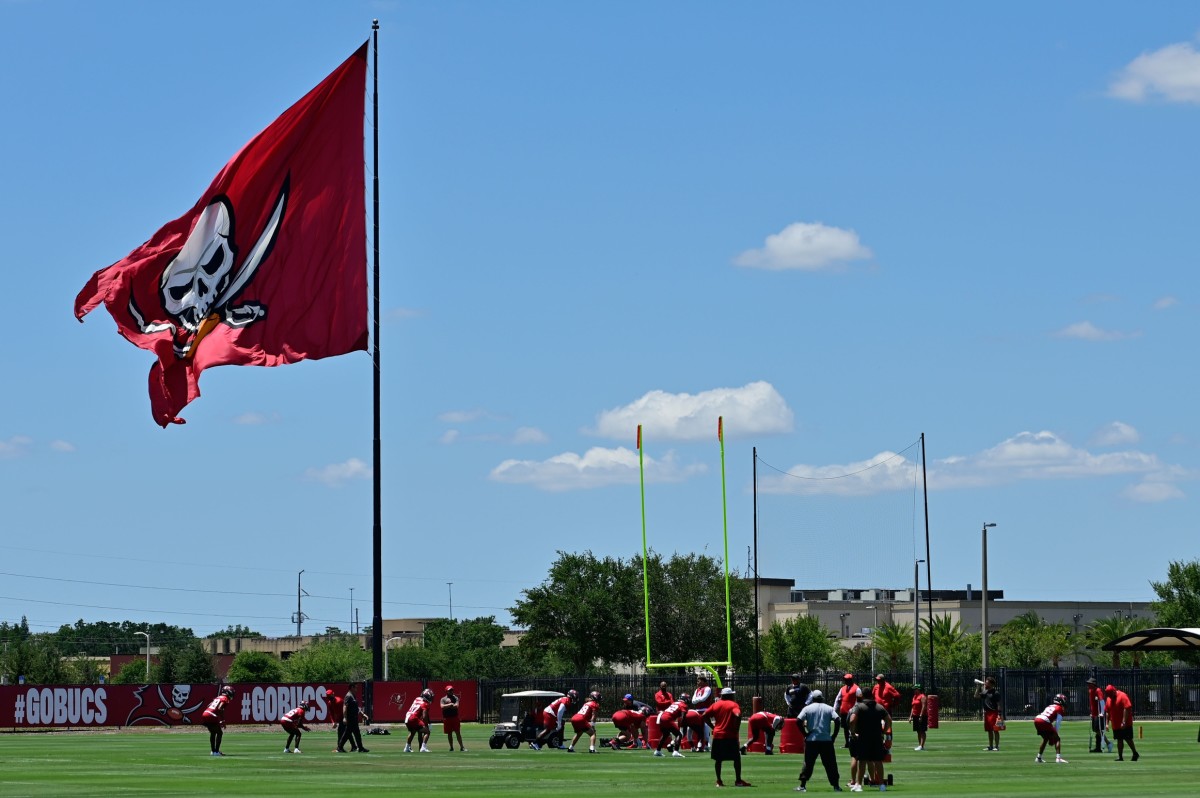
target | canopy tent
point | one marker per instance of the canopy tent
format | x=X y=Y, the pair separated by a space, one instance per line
x=1159 y=639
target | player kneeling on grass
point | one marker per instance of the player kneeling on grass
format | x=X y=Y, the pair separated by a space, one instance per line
x=293 y=723
x=1047 y=724
x=725 y=718
x=630 y=721
x=766 y=724
x=584 y=722
x=416 y=720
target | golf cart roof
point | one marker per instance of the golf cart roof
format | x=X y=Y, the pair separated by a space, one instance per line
x=533 y=694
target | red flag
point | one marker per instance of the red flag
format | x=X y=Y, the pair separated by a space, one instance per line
x=268 y=267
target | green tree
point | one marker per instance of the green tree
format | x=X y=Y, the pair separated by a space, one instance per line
x=83 y=669
x=893 y=645
x=195 y=664
x=953 y=648
x=235 y=631
x=1178 y=602
x=1106 y=630
x=339 y=659
x=255 y=666
x=37 y=658
x=798 y=644
x=582 y=612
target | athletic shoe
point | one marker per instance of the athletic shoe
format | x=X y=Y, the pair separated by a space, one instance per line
x=1038 y=759
x=919 y=748
x=1134 y=758
x=658 y=753
x=424 y=750
x=287 y=750
x=740 y=783
x=678 y=755
x=742 y=750
x=571 y=750
x=855 y=788
x=364 y=750
x=1058 y=760
x=407 y=748
x=296 y=751
x=534 y=746
x=801 y=788
x=769 y=751
x=591 y=750
x=338 y=751
x=461 y=750
x=720 y=783
x=1110 y=746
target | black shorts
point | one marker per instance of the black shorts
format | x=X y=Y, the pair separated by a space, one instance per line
x=725 y=750
x=1123 y=734
x=920 y=723
x=870 y=750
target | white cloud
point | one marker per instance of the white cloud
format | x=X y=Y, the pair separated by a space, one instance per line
x=596 y=468
x=1153 y=491
x=1171 y=74
x=400 y=314
x=1086 y=331
x=449 y=437
x=62 y=446
x=336 y=474
x=464 y=416
x=15 y=446
x=253 y=419
x=1025 y=456
x=754 y=409
x=525 y=435
x=805 y=246
x=1164 y=302
x=1118 y=433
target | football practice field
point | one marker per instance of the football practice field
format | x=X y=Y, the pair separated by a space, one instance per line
x=170 y=762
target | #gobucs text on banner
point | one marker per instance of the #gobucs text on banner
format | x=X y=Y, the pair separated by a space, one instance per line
x=268 y=267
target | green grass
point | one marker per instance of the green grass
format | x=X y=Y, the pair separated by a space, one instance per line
x=165 y=762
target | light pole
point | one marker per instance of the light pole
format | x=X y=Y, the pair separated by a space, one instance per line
x=450 y=589
x=873 y=630
x=842 y=622
x=299 y=614
x=916 y=621
x=984 y=601
x=147 y=636
x=386 y=643
x=351 y=610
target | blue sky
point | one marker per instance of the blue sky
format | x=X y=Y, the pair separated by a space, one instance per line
x=838 y=225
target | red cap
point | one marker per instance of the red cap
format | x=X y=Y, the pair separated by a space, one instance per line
x=849 y=677
x=329 y=693
x=1110 y=690
x=449 y=687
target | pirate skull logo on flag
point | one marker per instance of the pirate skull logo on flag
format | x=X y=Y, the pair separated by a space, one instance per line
x=200 y=284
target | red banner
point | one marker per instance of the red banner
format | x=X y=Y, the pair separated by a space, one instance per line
x=392 y=700
x=37 y=706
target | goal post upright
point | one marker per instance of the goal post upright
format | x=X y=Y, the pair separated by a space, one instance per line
x=709 y=666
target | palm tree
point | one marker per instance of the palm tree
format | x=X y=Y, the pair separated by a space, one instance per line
x=894 y=643
x=1106 y=630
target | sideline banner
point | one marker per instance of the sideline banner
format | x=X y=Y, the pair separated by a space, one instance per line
x=392 y=700
x=38 y=706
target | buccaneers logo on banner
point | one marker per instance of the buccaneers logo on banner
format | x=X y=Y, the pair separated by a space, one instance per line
x=181 y=704
x=268 y=267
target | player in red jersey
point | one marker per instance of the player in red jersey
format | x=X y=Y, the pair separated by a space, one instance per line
x=1099 y=714
x=630 y=721
x=584 y=722
x=886 y=695
x=213 y=719
x=725 y=719
x=668 y=726
x=1047 y=724
x=766 y=724
x=844 y=702
x=919 y=716
x=702 y=699
x=334 y=707
x=293 y=723
x=663 y=698
x=416 y=720
x=554 y=717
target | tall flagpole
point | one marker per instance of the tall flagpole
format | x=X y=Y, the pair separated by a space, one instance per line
x=377 y=530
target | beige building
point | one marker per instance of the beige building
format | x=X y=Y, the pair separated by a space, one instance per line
x=850 y=614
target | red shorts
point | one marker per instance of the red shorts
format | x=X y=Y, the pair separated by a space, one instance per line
x=289 y=727
x=1046 y=731
x=668 y=725
x=581 y=726
x=451 y=725
x=549 y=721
x=627 y=720
x=989 y=720
x=416 y=724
